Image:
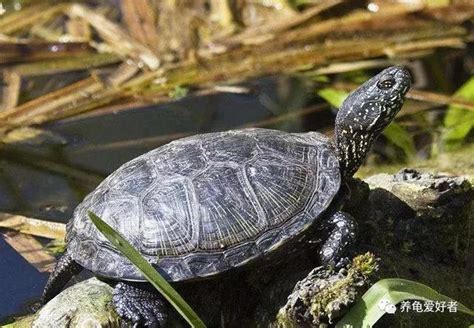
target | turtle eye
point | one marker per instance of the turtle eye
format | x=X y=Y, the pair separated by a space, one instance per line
x=386 y=83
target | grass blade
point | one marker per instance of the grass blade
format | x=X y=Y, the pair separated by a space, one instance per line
x=459 y=121
x=333 y=96
x=148 y=271
x=366 y=312
x=400 y=137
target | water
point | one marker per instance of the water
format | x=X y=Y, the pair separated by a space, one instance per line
x=20 y=283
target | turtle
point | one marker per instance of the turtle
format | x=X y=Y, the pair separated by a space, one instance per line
x=203 y=205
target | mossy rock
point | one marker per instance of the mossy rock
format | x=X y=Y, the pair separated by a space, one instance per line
x=83 y=305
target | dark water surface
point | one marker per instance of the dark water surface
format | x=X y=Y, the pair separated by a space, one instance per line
x=20 y=283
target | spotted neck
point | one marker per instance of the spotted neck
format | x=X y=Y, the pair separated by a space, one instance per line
x=352 y=149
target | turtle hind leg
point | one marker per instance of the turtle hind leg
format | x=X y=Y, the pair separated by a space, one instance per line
x=136 y=303
x=342 y=236
x=64 y=270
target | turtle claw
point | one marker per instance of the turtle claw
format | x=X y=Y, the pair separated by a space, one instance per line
x=342 y=263
x=341 y=239
x=142 y=307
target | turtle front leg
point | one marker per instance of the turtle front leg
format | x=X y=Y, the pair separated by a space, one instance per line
x=342 y=236
x=143 y=307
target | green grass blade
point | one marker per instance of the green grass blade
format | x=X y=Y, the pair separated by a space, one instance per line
x=400 y=137
x=148 y=271
x=333 y=96
x=459 y=121
x=366 y=312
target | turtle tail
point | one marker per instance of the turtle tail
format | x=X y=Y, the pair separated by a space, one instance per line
x=64 y=270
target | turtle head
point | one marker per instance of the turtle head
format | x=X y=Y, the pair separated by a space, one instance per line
x=365 y=113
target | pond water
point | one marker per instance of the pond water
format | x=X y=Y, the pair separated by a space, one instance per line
x=20 y=283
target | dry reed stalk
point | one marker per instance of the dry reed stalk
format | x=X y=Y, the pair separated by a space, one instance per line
x=115 y=36
x=35 y=227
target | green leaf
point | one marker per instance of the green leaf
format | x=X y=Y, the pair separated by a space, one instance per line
x=319 y=78
x=179 y=92
x=148 y=271
x=401 y=138
x=366 y=312
x=358 y=76
x=333 y=96
x=458 y=121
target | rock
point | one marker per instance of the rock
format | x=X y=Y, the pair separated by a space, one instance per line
x=420 y=225
x=324 y=294
x=425 y=193
x=85 y=304
x=430 y=214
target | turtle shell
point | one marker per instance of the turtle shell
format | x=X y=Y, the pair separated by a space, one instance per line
x=202 y=205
